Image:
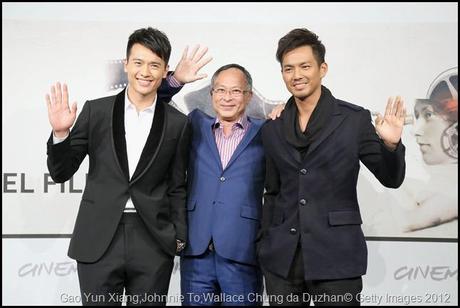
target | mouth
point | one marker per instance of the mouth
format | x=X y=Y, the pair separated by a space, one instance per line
x=299 y=85
x=424 y=147
x=227 y=107
x=144 y=82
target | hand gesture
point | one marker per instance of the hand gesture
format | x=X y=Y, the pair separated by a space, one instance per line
x=61 y=117
x=390 y=127
x=189 y=65
x=276 y=111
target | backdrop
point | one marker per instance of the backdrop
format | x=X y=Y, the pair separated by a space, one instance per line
x=373 y=50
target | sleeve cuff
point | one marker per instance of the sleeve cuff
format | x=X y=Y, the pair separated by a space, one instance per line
x=57 y=140
x=173 y=82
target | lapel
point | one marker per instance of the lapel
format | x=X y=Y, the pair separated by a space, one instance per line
x=289 y=148
x=336 y=119
x=119 y=137
x=118 y=133
x=254 y=128
x=207 y=127
x=154 y=140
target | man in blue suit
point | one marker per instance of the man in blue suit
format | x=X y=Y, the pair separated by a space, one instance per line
x=225 y=186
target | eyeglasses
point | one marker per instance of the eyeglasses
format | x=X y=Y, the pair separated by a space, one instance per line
x=232 y=92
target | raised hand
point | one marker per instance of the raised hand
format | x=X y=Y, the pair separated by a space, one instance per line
x=61 y=117
x=189 y=65
x=390 y=126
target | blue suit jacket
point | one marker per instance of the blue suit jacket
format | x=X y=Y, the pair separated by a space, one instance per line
x=224 y=204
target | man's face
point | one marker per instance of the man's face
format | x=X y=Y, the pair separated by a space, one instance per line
x=429 y=129
x=301 y=72
x=230 y=95
x=145 y=71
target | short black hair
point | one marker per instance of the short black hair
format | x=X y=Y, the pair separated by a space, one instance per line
x=297 y=38
x=153 y=39
x=237 y=66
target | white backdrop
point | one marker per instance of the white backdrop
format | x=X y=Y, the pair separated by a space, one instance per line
x=373 y=51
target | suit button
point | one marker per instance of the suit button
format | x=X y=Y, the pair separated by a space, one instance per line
x=293 y=231
x=222 y=179
x=303 y=171
x=303 y=201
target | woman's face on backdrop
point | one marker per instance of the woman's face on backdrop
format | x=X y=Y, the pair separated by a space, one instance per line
x=430 y=128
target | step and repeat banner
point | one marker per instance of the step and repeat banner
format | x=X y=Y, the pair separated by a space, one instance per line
x=374 y=51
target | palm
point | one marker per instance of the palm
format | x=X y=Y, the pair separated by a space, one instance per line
x=61 y=117
x=391 y=125
x=189 y=65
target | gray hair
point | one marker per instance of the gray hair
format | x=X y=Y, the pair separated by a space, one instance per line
x=237 y=66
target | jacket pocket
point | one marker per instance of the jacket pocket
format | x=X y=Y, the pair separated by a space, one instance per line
x=338 y=218
x=250 y=212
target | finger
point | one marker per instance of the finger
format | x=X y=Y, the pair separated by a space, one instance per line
x=378 y=120
x=58 y=93
x=388 y=107
x=73 y=110
x=65 y=95
x=201 y=76
x=195 y=49
x=53 y=95
x=184 y=54
x=200 y=54
x=399 y=108
x=48 y=101
x=204 y=62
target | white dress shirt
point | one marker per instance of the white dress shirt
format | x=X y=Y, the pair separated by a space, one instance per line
x=137 y=129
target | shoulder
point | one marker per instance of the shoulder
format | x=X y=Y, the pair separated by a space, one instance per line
x=348 y=107
x=174 y=113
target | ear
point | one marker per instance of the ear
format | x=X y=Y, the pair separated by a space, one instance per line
x=323 y=69
x=125 y=63
x=249 y=98
x=166 y=71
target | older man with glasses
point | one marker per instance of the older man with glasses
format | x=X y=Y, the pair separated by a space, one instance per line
x=225 y=186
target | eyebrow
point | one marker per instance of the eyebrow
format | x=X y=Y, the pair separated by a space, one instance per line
x=152 y=62
x=303 y=63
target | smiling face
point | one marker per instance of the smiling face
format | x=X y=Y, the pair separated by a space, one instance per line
x=430 y=127
x=145 y=71
x=230 y=95
x=302 y=73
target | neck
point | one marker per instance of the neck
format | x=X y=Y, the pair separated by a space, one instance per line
x=306 y=105
x=141 y=101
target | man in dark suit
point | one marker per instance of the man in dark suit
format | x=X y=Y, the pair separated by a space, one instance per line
x=311 y=244
x=132 y=217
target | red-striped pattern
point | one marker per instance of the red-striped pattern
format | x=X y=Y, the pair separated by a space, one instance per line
x=227 y=145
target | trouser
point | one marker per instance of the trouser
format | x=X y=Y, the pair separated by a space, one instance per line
x=134 y=262
x=296 y=291
x=211 y=280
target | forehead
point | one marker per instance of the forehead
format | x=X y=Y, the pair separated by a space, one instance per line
x=421 y=106
x=231 y=76
x=299 y=55
x=141 y=52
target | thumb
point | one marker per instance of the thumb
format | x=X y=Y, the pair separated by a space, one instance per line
x=378 y=120
x=73 y=109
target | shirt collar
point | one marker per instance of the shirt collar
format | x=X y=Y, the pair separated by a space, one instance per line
x=130 y=105
x=242 y=122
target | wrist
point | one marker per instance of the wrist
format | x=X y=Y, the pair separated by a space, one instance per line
x=174 y=81
x=61 y=134
x=390 y=145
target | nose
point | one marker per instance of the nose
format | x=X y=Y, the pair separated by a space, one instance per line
x=418 y=127
x=145 y=70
